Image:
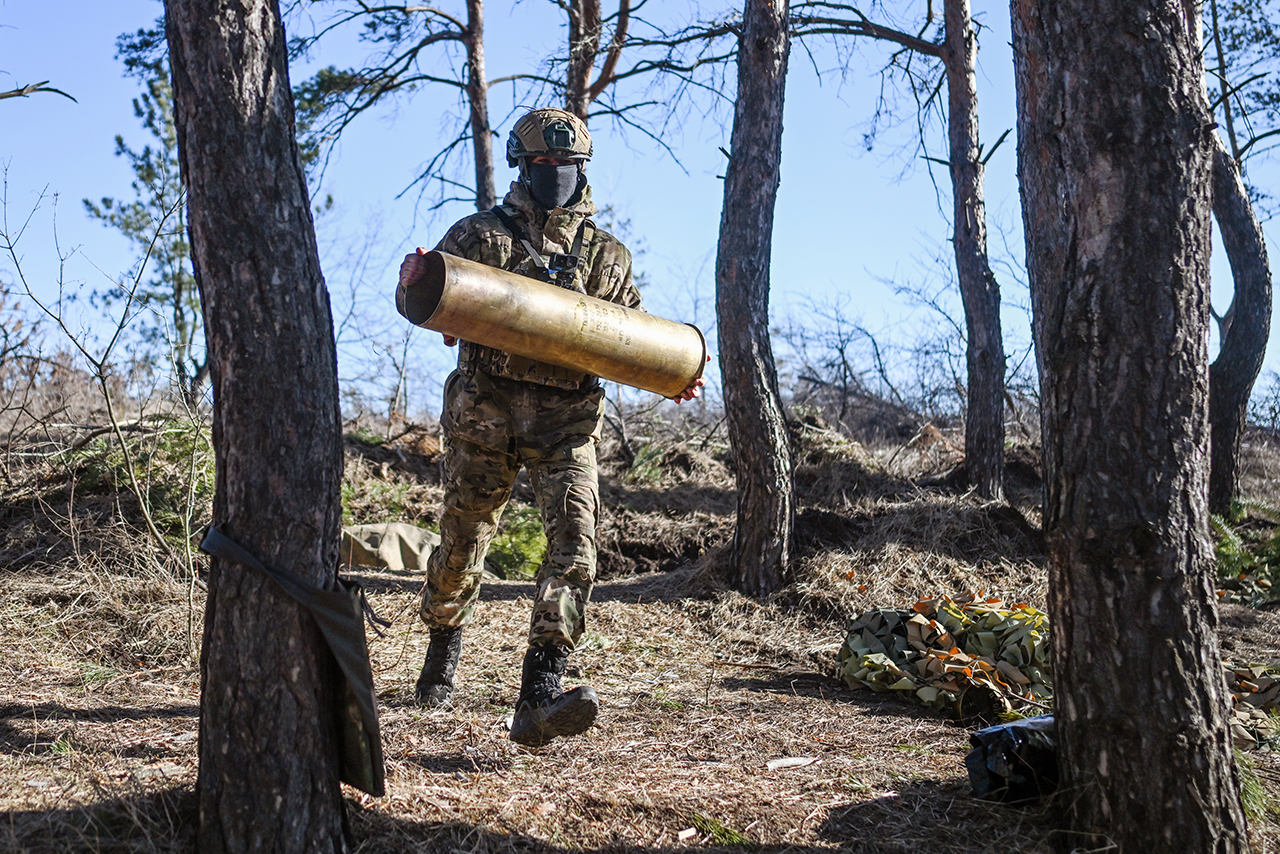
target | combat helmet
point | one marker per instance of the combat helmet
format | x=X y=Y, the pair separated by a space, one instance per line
x=551 y=133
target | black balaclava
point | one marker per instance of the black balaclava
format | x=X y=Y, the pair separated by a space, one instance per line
x=555 y=186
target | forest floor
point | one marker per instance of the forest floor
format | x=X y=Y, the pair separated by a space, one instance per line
x=724 y=723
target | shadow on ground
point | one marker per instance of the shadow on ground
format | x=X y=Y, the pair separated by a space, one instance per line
x=935 y=815
x=15 y=721
x=156 y=822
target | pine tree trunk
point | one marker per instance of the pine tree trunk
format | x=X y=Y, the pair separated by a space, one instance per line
x=757 y=426
x=478 y=98
x=585 y=29
x=1245 y=332
x=984 y=418
x=268 y=778
x=1114 y=156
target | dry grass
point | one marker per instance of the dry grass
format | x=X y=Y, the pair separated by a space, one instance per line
x=702 y=688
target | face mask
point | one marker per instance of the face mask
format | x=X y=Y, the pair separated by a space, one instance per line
x=554 y=186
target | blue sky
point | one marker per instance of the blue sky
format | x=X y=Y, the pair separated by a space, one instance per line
x=848 y=222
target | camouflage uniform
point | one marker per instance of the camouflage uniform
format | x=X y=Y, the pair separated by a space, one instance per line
x=502 y=412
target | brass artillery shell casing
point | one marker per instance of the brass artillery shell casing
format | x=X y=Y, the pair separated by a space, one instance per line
x=538 y=320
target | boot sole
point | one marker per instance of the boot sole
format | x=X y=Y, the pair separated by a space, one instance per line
x=571 y=714
x=578 y=715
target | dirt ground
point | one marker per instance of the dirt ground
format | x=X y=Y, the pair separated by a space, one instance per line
x=723 y=724
x=699 y=697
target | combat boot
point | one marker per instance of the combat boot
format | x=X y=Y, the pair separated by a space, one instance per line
x=545 y=710
x=435 y=683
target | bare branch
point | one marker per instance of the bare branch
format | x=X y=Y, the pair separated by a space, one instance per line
x=31 y=88
x=534 y=77
x=809 y=25
x=613 y=51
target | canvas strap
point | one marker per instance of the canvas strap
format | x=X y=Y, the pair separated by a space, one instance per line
x=561 y=276
x=340 y=615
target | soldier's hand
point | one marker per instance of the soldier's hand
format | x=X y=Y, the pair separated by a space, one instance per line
x=413 y=269
x=694 y=390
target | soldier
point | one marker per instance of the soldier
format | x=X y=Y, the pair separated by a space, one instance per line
x=503 y=411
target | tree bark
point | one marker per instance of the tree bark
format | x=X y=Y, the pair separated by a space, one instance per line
x=1114 y=158
x=1244 y=330
x=478 y=98
x=585 y=29
x=268 y=778
x=984 y=416
x=757 y=425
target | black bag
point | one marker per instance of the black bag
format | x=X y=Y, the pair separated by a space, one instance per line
x=1016 y=761
x=340 y=615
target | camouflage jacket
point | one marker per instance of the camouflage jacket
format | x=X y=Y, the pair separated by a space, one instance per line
x=604 y=272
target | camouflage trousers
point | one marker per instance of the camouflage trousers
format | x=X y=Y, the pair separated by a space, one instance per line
x=561 y=462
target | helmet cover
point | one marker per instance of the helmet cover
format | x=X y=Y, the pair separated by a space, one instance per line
x=548 y=132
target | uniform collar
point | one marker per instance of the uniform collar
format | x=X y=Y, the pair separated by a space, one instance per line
x=557 y=227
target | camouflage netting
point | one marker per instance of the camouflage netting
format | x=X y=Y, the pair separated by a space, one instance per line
x=944 y=648
x=946 y=651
